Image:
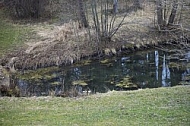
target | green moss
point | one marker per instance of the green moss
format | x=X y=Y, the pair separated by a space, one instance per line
x=110 y=82
x=86 y=62
x=83 y=62
x=37 y=76
x=55 y=83
x=89 y=80
x=109 y=65
x=42 y=73
x=79 y=82
x=114 y=75
x=126 y=83
x=188 y=65
x=187 y=78
x=129 y=45
x=174 y=65
x=106 y=61
x=184 y=83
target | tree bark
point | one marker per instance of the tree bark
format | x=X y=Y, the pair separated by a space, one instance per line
x=82 y=15
x=159 y=13
x=115 y=6
x=35 y=8
x=173 y=12
x=136 y=4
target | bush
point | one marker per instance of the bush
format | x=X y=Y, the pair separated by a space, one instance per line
x=26 y=8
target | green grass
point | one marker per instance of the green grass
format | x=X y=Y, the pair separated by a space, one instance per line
x=11 y=35
x=162 y=106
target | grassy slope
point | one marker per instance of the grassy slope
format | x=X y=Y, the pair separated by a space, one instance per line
x=10 y=34
x=162 y=106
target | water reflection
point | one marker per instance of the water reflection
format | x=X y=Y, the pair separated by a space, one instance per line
x=187 y=56
x=165 y=74
x=145 y=69
x=186 y=76
x=156 y=63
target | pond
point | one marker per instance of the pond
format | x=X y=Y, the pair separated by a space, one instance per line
x=147 y=69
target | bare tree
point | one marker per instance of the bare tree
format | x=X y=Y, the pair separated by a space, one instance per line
x=105 y=25
x=25 y=8
x=166 y=18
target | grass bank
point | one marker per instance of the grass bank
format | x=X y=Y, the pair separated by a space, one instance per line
x=162 y=106
x=11 y=35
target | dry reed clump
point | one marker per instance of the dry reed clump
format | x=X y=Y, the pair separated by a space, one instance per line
x=63 y=32
x=57 y=46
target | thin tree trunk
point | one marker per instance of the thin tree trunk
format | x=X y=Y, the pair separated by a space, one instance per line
x=136 y=4
x=165 y=12
x=173 y=12
x=115 y=6
x=35 y=8
x=159 y=13
x=82 y=15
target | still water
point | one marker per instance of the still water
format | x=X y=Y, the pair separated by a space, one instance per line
x=150 y=69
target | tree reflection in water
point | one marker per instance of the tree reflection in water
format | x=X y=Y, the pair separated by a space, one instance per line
x=165 y=74
x=146 y=69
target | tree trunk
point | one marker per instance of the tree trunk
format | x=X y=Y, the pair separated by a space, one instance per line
x=173 y=12
x=115 y=6
x=82 y=16
x=35 y=8
x=159 y=13
x=136 y=4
